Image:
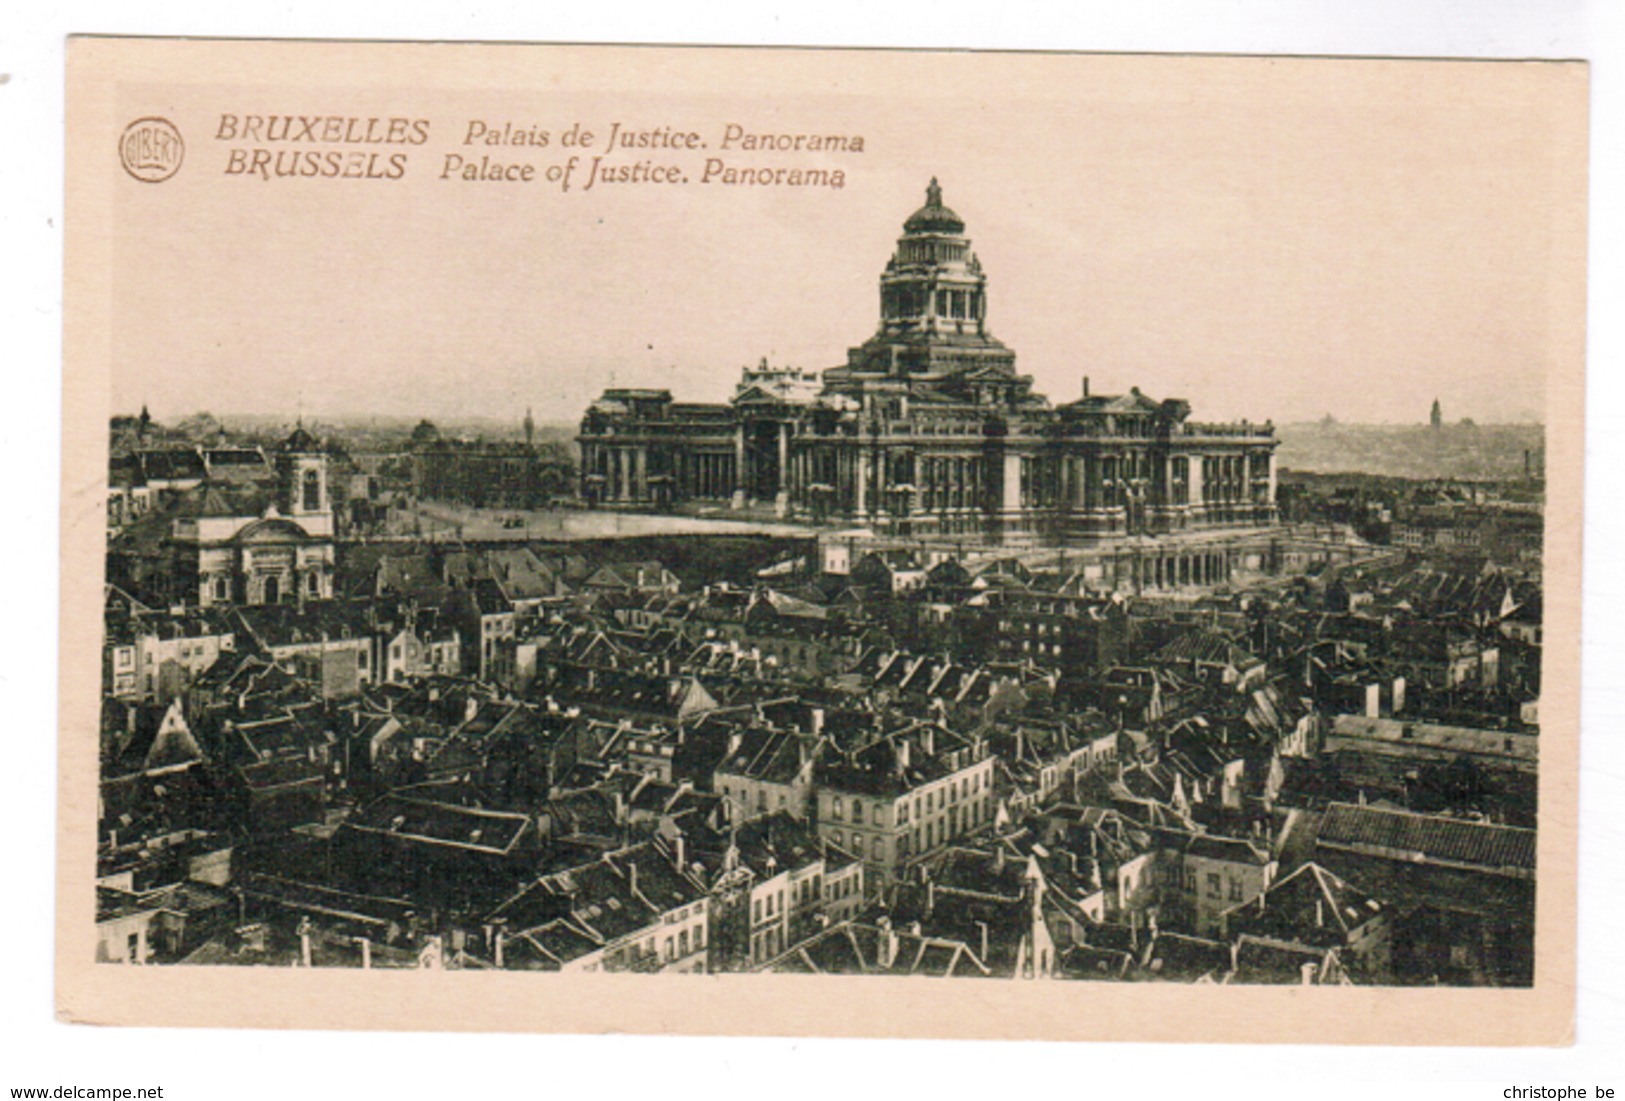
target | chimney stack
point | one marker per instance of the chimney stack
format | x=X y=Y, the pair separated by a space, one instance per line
x=1085 y=385
x=496 y=935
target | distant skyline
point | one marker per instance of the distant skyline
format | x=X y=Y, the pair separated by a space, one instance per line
x=1267 y=239
x=514 y=425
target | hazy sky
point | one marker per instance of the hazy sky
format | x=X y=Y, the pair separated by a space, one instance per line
x=1268 y=239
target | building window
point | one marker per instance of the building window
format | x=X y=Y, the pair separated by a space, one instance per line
x=1213 y=887
x=857 y=811
x=1235 y=890
x=313 y=491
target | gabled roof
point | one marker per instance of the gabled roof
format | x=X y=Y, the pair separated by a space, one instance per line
x=1206 y=647
x=770 y=756
x=1174 y=957
x=173 y=464
x=1265 y=960
x=851 y=948
x=1311 y=905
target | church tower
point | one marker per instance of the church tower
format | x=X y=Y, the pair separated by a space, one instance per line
x=1436 y=418
x=933 y=304
x=302 y=485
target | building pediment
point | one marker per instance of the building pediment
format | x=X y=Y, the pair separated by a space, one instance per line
x=756 y=395
x=272 y=529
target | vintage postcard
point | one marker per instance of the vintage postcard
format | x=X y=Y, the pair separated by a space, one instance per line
x=821 y=542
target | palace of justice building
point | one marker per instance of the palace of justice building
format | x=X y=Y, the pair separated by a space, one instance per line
x=928 y=432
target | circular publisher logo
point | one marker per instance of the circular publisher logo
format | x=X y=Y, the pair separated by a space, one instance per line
x=151 y=149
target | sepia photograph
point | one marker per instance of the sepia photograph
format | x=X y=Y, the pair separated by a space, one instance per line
x=1087 y=529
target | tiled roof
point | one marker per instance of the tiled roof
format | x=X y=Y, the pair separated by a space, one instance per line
x=1428 y=837
x=1206 y=647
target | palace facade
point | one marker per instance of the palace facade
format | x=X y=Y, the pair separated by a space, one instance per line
x=928 y=431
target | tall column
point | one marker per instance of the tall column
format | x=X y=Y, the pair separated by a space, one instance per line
x=861 y=483
x=626 y=473
x=640 y=473
x=739 y=467
x=782 y=501
x=1012 y=482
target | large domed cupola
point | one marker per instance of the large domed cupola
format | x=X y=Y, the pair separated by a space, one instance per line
x=933 y=303
x=933 y=217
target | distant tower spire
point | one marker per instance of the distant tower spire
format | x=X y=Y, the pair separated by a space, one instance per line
x=144 y=423
x=933 y=193
x=530 y=428
x=1437 y=416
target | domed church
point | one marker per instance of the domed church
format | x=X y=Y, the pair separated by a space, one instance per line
x=257 y=547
